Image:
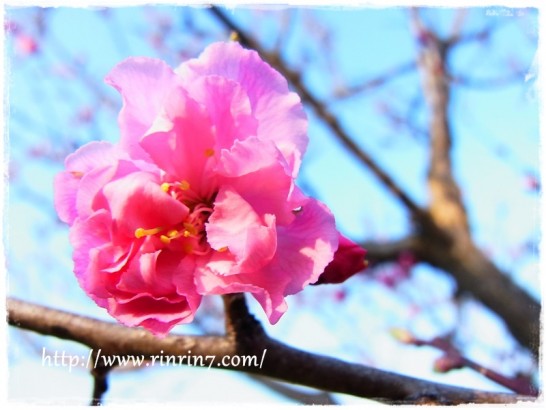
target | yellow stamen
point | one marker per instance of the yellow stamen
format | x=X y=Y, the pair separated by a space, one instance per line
x=223 y=249
x=190 y=229
x=234 y=36
x=140 y=232
x=209 y=152
x=184 y=185
x=166 y=240
x=165 y=186
x=172 y=233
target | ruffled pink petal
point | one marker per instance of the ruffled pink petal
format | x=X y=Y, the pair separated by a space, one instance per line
x=181 y=142
x=278 y=111
x=268 y=291
x=348 y=260
x=144 y=83
x=66 y=187
x=236 y=226
x=164 y=293
x=314 y=233
x=143 y=275
x=78 y=164
x=157 y=314
x=228 y=107
x=137 y=201
x=249 y=155
x=304 y=248
x=93 y=155
x=89 y=196
x=268 y=189
x=88 y=237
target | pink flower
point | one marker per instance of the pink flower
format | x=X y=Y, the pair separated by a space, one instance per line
x=198 y=197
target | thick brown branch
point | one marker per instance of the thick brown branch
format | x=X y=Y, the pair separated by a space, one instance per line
x=459 y=255
x=379 y=252
x=321 y=111
x=476 y=274
x=446 y=206
x=281 y=361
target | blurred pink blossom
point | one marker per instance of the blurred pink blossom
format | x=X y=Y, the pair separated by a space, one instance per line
x=11 y=27
x=85 y=115
x=531 y=182
x=26 y=45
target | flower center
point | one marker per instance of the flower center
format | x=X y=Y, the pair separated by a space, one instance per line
x=188 y=235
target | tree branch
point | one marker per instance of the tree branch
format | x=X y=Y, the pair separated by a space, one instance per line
x=379 y=252
x=100 y=384
x=281 y=361
x=476 y=274
x=377 y=81
x=459 y=256
x=459 y=38
x=446 y=206
x=454 y=359
x=517 y=76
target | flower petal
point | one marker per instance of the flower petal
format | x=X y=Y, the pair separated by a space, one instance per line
x=279 y=112
x=78 y=164
x=249 y=155
x=181 y=142
x=157 y=314
x=137 y=201
x=236 y=226
x=90 y=197
x=143 y=83
x=259 y=176
x=228 y=107
x=304 y=248
x=90 y=238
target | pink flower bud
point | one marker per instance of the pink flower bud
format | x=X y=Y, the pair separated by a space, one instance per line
x=348 y=260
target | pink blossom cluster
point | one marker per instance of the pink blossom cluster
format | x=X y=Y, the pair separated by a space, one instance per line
x=199 y=196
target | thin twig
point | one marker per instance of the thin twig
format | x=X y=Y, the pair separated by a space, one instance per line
x=377 y=81
x=454 y=359
x=100 y=384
